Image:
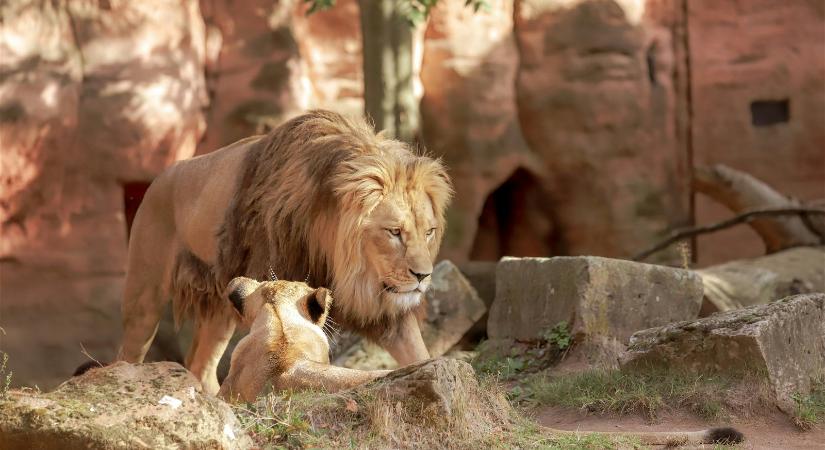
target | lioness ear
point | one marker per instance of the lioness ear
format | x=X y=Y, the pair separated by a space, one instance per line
x=238 y=289
x=318 y=305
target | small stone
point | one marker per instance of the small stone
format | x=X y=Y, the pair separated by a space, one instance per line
x=784 y=340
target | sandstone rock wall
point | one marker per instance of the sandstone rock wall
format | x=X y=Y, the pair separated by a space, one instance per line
x=92 y=96
x=758 y=83
x=599 y=109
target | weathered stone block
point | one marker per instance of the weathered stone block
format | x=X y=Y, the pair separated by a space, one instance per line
x=784 y=339
x=482 y=276
x=156 y=405
x=453 y=307
x=442 y=391
x=600 y=297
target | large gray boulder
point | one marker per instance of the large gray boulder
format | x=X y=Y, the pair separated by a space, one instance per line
x=602 y=298
x=156 y=406
x=785 y=340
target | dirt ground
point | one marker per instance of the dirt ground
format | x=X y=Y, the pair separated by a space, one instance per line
x=774 y=432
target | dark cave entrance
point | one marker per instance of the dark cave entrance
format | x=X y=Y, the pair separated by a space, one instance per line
x=515 y=221
x=133 y=193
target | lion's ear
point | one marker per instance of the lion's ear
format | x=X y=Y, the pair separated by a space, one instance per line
x=238 y=289
x=318 y=305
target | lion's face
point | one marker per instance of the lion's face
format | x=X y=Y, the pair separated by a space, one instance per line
x=401 y=239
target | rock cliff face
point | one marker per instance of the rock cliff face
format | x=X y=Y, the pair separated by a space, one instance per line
x=757 y=81
x=569 y=127
x=599 y=111
x=93 y=97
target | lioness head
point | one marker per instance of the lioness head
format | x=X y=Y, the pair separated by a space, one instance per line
x=300 y=309
x=401 y=200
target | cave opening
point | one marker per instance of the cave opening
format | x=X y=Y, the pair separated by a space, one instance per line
x=515 y=221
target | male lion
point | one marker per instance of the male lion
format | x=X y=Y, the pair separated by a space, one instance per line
x=286 y=346
x=321 y=195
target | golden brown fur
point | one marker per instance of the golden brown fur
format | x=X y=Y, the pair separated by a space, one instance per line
x=321 y=195
x=286 y=347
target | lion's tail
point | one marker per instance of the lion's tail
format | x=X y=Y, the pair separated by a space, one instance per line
x=723 y=435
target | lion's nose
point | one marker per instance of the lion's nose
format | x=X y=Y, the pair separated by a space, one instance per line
x=419 y=276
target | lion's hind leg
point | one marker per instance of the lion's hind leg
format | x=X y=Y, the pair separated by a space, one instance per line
x=141 y=316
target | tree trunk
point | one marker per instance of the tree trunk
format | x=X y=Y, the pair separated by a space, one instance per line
x=389 y=69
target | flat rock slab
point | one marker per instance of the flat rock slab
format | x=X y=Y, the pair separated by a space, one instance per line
x=784 y=339
x=600 y=297
x=157 y=405
x=756 y=281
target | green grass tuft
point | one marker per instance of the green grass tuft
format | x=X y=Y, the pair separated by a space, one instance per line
x=645 y=392
x=809 y=410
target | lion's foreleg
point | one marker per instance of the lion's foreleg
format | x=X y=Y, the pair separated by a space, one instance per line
x=405 y=343
x=209 y=343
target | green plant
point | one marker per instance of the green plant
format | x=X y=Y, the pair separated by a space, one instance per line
x=809 y=410
x=559 y=335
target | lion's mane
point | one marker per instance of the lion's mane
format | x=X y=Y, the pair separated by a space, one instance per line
x=303 y=193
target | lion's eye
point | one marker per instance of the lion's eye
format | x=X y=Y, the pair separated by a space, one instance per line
x=394 y=231
x=430 y=232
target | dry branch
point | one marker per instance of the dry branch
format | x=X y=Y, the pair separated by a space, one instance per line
x=746 y=217
x=741 y=192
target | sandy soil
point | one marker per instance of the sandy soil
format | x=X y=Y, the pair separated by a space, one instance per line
x=774 y=432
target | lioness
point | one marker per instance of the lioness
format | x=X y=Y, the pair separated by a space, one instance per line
x=286 y=347
x=320 y=194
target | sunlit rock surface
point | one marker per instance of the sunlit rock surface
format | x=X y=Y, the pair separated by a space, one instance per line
x=158 y=405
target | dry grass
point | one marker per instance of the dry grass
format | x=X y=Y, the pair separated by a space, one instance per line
x=322 y=420
x=364 y=420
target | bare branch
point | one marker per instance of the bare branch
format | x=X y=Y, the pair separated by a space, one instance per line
x=742 y=192
x=745 y=217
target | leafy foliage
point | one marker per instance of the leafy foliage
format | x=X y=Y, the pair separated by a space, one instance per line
x=559 y=336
